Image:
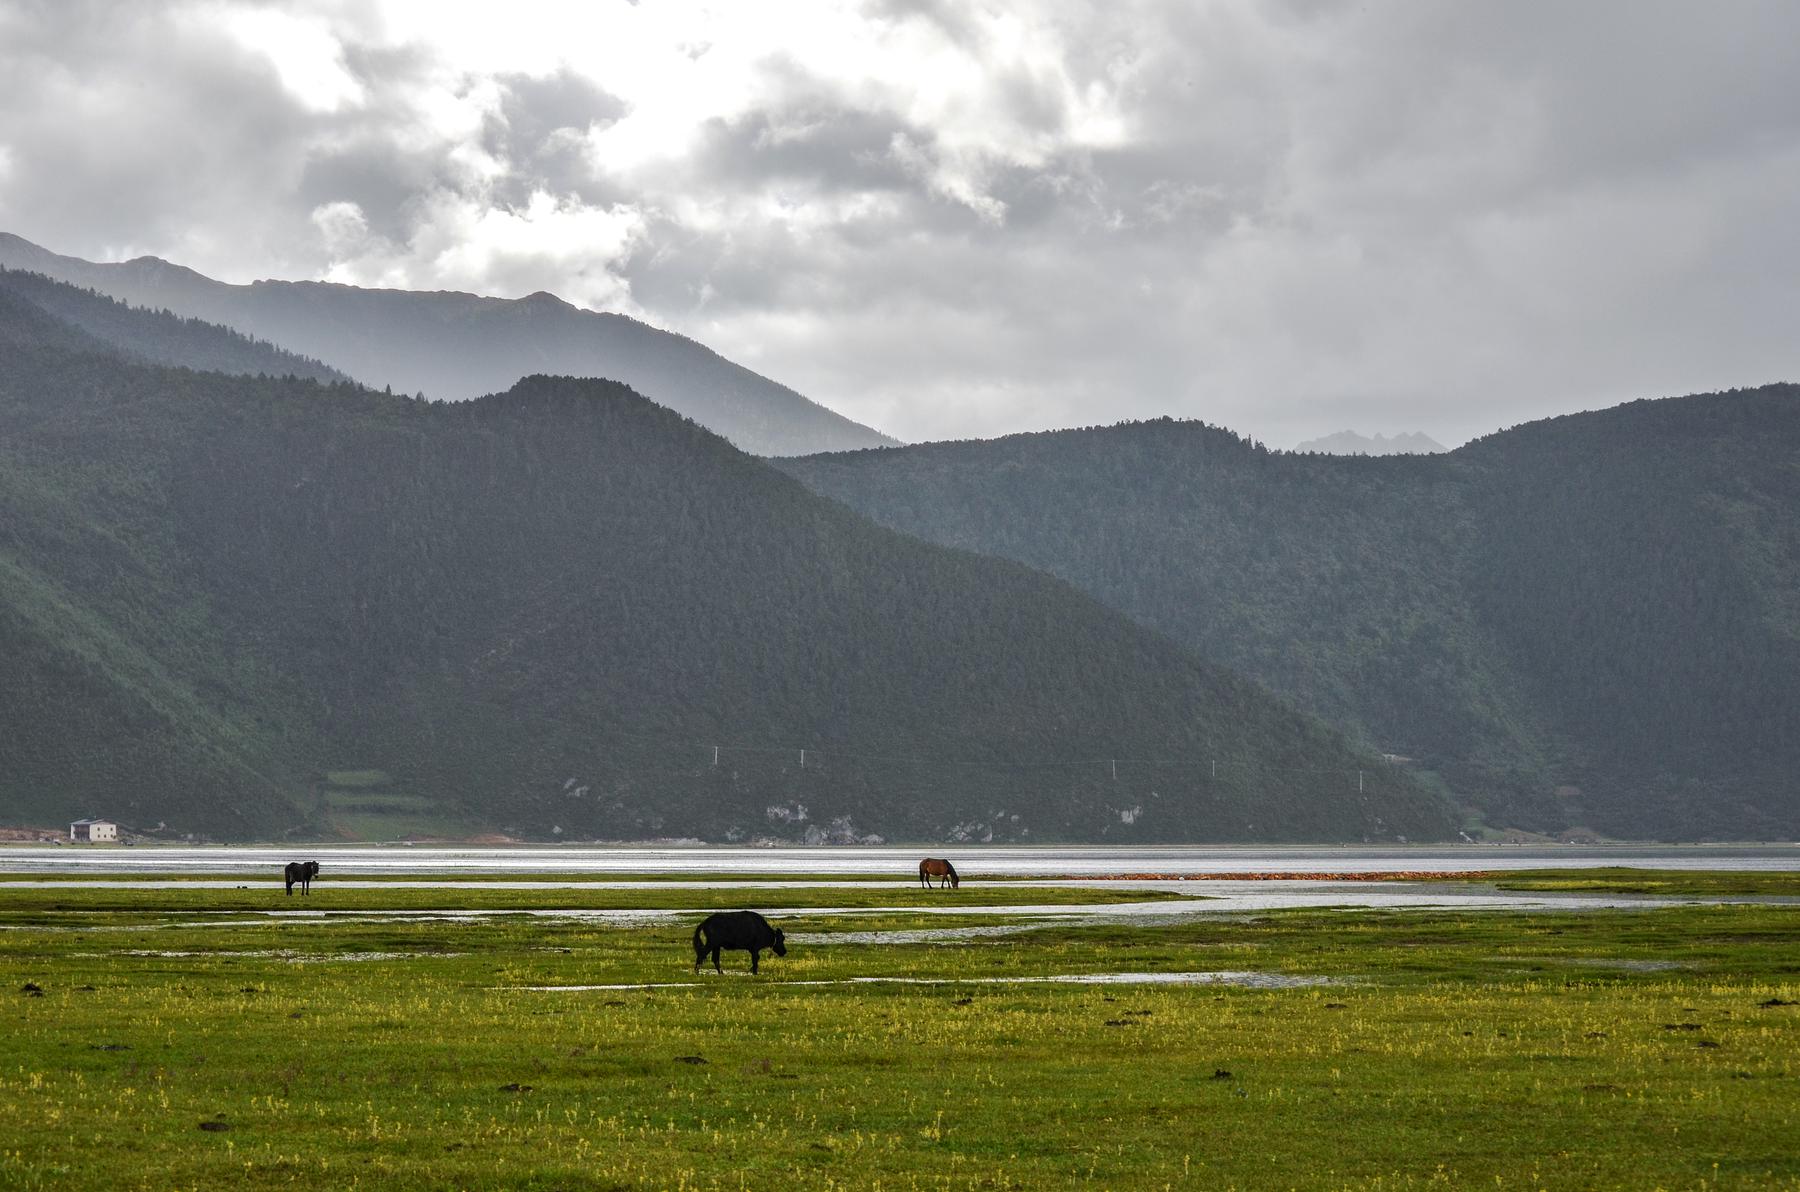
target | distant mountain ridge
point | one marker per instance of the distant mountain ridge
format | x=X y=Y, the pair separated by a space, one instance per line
x=253 y=605
x=1348 y=442
x=456 y=346
x=158 y=337
x=1591 y=620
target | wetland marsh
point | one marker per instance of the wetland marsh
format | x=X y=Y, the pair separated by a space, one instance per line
x=394 y=1036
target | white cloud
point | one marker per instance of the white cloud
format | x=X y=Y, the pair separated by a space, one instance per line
x=304 y=53
x=459 y=241
x=344 y=229
x=949 y=218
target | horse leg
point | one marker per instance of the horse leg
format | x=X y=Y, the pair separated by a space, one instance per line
x=715 y=956
x=753 y=960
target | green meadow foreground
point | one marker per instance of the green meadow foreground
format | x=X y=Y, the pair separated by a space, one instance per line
x=181 y=1039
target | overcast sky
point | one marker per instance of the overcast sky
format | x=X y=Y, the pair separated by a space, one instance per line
x=950 y=220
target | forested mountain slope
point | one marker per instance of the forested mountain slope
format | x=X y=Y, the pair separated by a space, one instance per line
x=1591 y=620
x=455 y=346
x=543 y=610
x=159 y=337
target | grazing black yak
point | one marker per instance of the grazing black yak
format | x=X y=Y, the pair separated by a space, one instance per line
x=740 y=931
x=302 y=872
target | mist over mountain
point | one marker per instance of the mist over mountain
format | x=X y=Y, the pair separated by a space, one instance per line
x=248 y=605
x=159 y=337
x=457 y=346
x=1348 y=442
x=1590 y=620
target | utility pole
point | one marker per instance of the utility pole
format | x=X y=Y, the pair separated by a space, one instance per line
x=803 y=759
x=715 y=756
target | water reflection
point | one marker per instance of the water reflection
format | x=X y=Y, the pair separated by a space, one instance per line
x=898 y=862
x=1219 y=898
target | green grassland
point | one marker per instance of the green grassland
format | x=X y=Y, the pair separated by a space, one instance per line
x=165 y=1048
x=24 y=899
x=357 y=779
x=363 y=805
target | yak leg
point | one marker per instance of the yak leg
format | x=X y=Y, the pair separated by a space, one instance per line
x=715 y=958
x=753 y=955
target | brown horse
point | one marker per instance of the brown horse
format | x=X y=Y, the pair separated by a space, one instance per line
x=937 y=867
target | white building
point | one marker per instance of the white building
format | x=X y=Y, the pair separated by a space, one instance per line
x=93 y=831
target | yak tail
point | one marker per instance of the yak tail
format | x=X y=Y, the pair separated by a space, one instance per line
x=699 y=948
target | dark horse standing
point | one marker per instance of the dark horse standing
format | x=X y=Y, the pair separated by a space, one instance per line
x=740 y=931
x=937 y=867
x=300 y=873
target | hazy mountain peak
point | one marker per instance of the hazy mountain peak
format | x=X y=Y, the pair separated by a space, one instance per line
x=156 y=271
x=455 y=346
x=1349 y=442
x=107 y=325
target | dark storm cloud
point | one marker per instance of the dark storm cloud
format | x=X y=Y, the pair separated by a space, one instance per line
x=533 y=111
x=372 y=175
x=126 y=133
x=949 y=220
x=833 y=149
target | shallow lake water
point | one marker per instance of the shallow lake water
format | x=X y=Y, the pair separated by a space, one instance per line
x=901 y=862
x=514 y=867
x=1199 y=899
